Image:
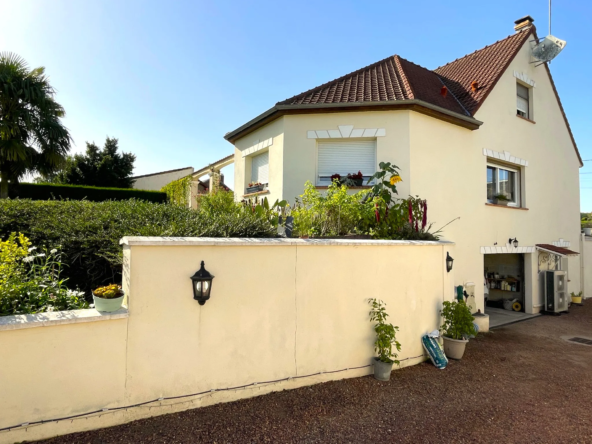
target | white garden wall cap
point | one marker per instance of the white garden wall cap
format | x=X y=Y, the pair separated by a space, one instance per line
x=233 y=241
x=17 y=322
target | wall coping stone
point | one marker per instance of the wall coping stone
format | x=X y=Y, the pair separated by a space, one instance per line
x=17 y=322
x=234 y=241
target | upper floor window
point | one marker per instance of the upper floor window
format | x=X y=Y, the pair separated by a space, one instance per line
x=345 y=157
x=503 y=183
x=260 y=168
x=522 y=101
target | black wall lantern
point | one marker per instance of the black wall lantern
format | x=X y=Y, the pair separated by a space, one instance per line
x=202 y=284
x=513 y=242
x=449 y=261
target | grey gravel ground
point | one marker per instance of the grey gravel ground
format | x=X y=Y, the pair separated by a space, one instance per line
x=518 y=384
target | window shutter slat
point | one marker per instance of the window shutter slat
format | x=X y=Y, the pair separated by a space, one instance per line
x=260 y=168
x=522 y=105
x=346 y=157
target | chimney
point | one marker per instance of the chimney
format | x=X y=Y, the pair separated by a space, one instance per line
x=523 y=23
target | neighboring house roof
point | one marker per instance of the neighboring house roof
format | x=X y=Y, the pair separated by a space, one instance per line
x=397 y=83
x=162 y=172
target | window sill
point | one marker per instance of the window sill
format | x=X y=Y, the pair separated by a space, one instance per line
x=524 y=118
x=325 y=187
x=505 y=206
x=258 y=193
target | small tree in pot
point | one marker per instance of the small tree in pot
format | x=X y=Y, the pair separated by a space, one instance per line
x=385 y=339
x=458 y=325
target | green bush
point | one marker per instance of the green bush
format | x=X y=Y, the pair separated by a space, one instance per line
x=46 y=191
x=333 y=214
x=458 y=320
x=89 y=232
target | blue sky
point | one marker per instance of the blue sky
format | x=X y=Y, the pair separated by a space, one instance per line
x=170 y=78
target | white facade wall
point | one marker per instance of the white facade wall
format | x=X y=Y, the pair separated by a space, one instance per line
x=156 y=181
x=446 y=164
x=305 y=316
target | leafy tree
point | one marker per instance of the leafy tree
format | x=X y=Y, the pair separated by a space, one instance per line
x=99 y=167
x=32 y=136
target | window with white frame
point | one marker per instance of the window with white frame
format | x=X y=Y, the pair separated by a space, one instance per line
x=522 y=101
x=505 y=181
x=260 y=168
x=345 y=157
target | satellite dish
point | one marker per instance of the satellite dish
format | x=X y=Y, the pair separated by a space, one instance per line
x=548 y=48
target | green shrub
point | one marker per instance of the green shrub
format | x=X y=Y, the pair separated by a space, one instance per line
x=386 y=334
x=335 y=213
x=458 y=320
x=46 y=191
x=30 y=280
x=89 y=232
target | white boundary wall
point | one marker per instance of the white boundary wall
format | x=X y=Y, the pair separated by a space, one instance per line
x=279 y=309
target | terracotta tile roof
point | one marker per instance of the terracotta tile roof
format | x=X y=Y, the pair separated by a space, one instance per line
x=484 y=66
x=559 y=250
x=391 y=79
x=394 y=79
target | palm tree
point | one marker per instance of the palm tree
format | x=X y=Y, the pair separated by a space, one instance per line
x=32 y=136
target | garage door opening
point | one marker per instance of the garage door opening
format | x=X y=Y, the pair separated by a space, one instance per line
x=504 y=282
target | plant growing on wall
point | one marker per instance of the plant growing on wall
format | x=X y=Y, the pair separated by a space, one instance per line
x=458 y=320
x=178 y=191
x=385 y=333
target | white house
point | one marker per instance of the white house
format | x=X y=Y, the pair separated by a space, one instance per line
x=488 y=123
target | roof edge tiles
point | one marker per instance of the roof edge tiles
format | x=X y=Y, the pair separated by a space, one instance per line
x=411 y=104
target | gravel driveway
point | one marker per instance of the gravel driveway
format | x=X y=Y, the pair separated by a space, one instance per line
x=519 y=384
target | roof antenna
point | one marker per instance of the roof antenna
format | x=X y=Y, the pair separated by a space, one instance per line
x=549 y=17
x=549 y=48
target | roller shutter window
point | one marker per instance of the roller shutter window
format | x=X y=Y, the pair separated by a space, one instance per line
x=522 y=101
x=345 y=157
x=260 y=168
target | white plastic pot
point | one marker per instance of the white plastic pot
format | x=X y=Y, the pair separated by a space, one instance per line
x=382 y=370
x=454 y=348
x=108 y=305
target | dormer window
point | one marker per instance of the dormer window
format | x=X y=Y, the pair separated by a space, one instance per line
x=522 y=101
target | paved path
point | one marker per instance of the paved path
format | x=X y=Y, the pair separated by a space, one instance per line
x=519 y=384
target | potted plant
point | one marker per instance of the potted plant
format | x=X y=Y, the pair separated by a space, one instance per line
x=576 y=298
x=108 y=298
x=501 y=199
x=457 y=326
x=385 y=339
x=587 y=228
x=356 y=178
x=254 y=187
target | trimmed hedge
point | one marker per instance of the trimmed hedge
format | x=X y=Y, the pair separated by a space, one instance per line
x=47 y=191
x=88 y=233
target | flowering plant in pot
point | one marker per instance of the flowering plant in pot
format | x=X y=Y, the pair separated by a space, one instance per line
x=254 y=187
x=356 y=178
x=501 y=199
x=108 y=298
x=385 y=340
x=457 y=326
